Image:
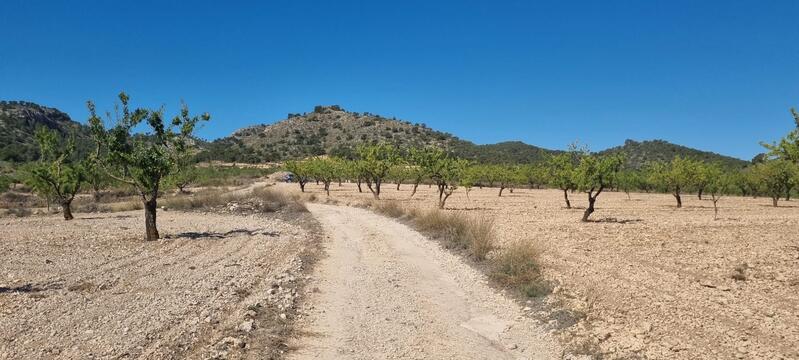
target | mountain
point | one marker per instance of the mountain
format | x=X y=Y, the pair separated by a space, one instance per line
x=335 y=131
x=640 y=153
x=327 y=130
x=18 y=123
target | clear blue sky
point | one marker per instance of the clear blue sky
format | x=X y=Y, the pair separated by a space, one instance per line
x=717 y=75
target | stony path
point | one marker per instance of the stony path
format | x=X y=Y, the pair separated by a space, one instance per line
x=387 y=292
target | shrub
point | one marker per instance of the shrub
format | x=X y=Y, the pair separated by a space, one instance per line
x=273 y=200
x=516 y=266
x=389 y=208
x=459 y=230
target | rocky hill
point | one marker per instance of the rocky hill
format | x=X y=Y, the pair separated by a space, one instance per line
x=335 y=131
x=327 y=130
x=18 y=123
x=640 y=153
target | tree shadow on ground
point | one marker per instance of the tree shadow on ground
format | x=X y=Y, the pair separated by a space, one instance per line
x=221 y=235
x=470 y=209
x=104 y=217
x=616 y=221
x=30 y=288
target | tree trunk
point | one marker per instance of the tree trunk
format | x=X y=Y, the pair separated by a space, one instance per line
x=590 y=209
x=327 y=188
x=443 y=200
x=66 y=207
x=774 y=200
x=415 y=185
x=398 y=185
x=715 y=208
x=302 y=186
x=679 y=199
x=566 y=197
x=500 y=191
x=699 y=193
x=359 y=186
x=149 y=220
x=96 y=195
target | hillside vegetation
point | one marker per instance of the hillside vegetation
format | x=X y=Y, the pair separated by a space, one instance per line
x=18 y=123
x=638 y=154
x=328 y=130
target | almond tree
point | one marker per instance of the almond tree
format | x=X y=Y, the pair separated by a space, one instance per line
x=718 y=184
x=561 y=173
x=673 y=177
x=535 y=175
x=418 y=170
x=143 y=160
x=776 y=177
x=325 y=170
x=788 y=147
x=375 y=162
x=57 y=174
x=595 y=174
x=629 y=180
x=301 y=171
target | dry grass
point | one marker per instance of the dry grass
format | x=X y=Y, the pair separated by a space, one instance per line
x=458 y=230
x=389 y=208
x=517 y=266
x=273 y=200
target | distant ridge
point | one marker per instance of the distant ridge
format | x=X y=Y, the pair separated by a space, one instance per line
x=328 y=130
x=639 y=153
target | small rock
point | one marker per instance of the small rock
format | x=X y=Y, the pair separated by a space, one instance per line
x=247 y=326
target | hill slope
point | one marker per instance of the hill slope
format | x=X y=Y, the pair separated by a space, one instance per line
x=332 y=130
x=18 y=123
x=327 y=130
x=640 y=153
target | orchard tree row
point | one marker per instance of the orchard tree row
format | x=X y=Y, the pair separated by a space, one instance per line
x=573 y=171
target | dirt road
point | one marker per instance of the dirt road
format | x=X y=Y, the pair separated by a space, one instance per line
x=387 y=292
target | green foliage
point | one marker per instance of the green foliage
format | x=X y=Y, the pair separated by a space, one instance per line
x=143 y=162
x=375 y=161
x=325 y=170
x=5 y=183
x=301 y=170
x=639 y=154
x=594 y=174
x=718 y=184
x=630 y=180
x=674 y=177
x=788 y=147
x=57 y=174
x=19 y=121
x=776 y=177
x=535 y=175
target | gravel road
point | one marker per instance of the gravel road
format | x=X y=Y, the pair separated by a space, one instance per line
x=384 y=291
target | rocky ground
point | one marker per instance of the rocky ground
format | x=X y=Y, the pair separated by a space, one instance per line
x=648 y=280
x=216 y=286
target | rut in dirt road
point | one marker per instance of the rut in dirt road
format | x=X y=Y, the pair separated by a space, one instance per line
x=387 y=292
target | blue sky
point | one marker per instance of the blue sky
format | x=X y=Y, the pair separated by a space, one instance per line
x=716 y=75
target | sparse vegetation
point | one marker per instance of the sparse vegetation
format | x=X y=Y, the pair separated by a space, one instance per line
x=517 y=266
